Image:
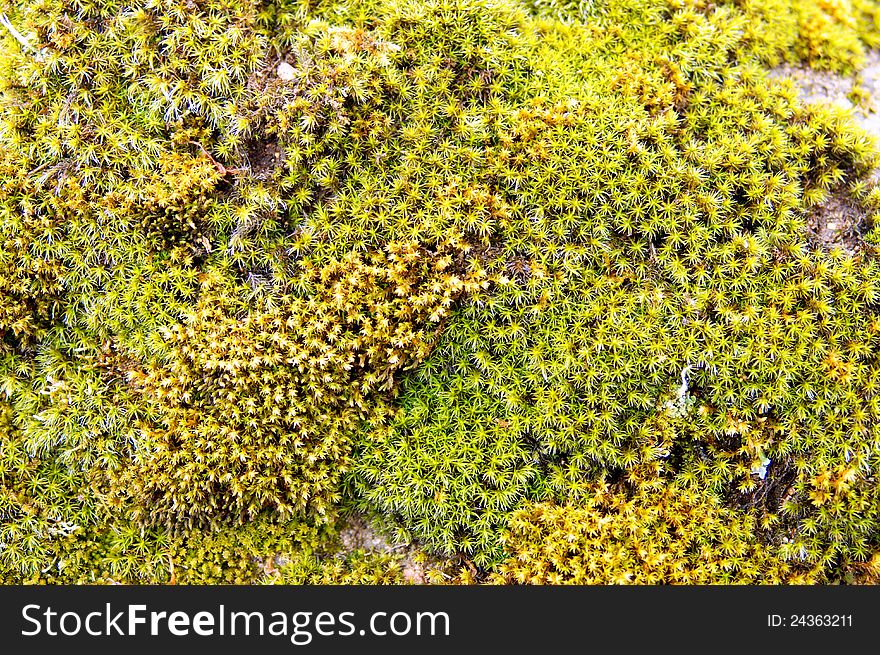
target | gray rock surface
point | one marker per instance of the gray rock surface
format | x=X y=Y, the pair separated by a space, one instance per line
x=833 y=89
x=840 y=222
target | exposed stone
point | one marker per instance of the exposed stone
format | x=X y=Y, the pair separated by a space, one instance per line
x=286 y=72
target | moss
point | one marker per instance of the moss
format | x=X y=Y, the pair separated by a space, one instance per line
x=666 y=537
x=459 y=263
x=827 y=34
x=355 y=567
x=659 y=308
x=120 y=553
x=258 y=403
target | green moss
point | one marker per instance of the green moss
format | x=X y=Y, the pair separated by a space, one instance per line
x=459 y=258
x=256 y=404
x=665 y=537
x=356 y=567
x=827 y=34
x=655 y=234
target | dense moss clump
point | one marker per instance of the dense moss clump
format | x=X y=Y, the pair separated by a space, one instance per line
x=257 y=407
x=499 y=274
x=668 y=537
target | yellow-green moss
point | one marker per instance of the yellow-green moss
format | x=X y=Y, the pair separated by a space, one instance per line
x=460 y=258
x=668 y=536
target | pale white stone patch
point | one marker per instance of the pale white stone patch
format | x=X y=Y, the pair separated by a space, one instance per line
x=286 y=72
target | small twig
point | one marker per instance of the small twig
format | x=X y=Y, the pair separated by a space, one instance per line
x=220 y=167
x=4 y=20
x=39 y=168
x=682 y=391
